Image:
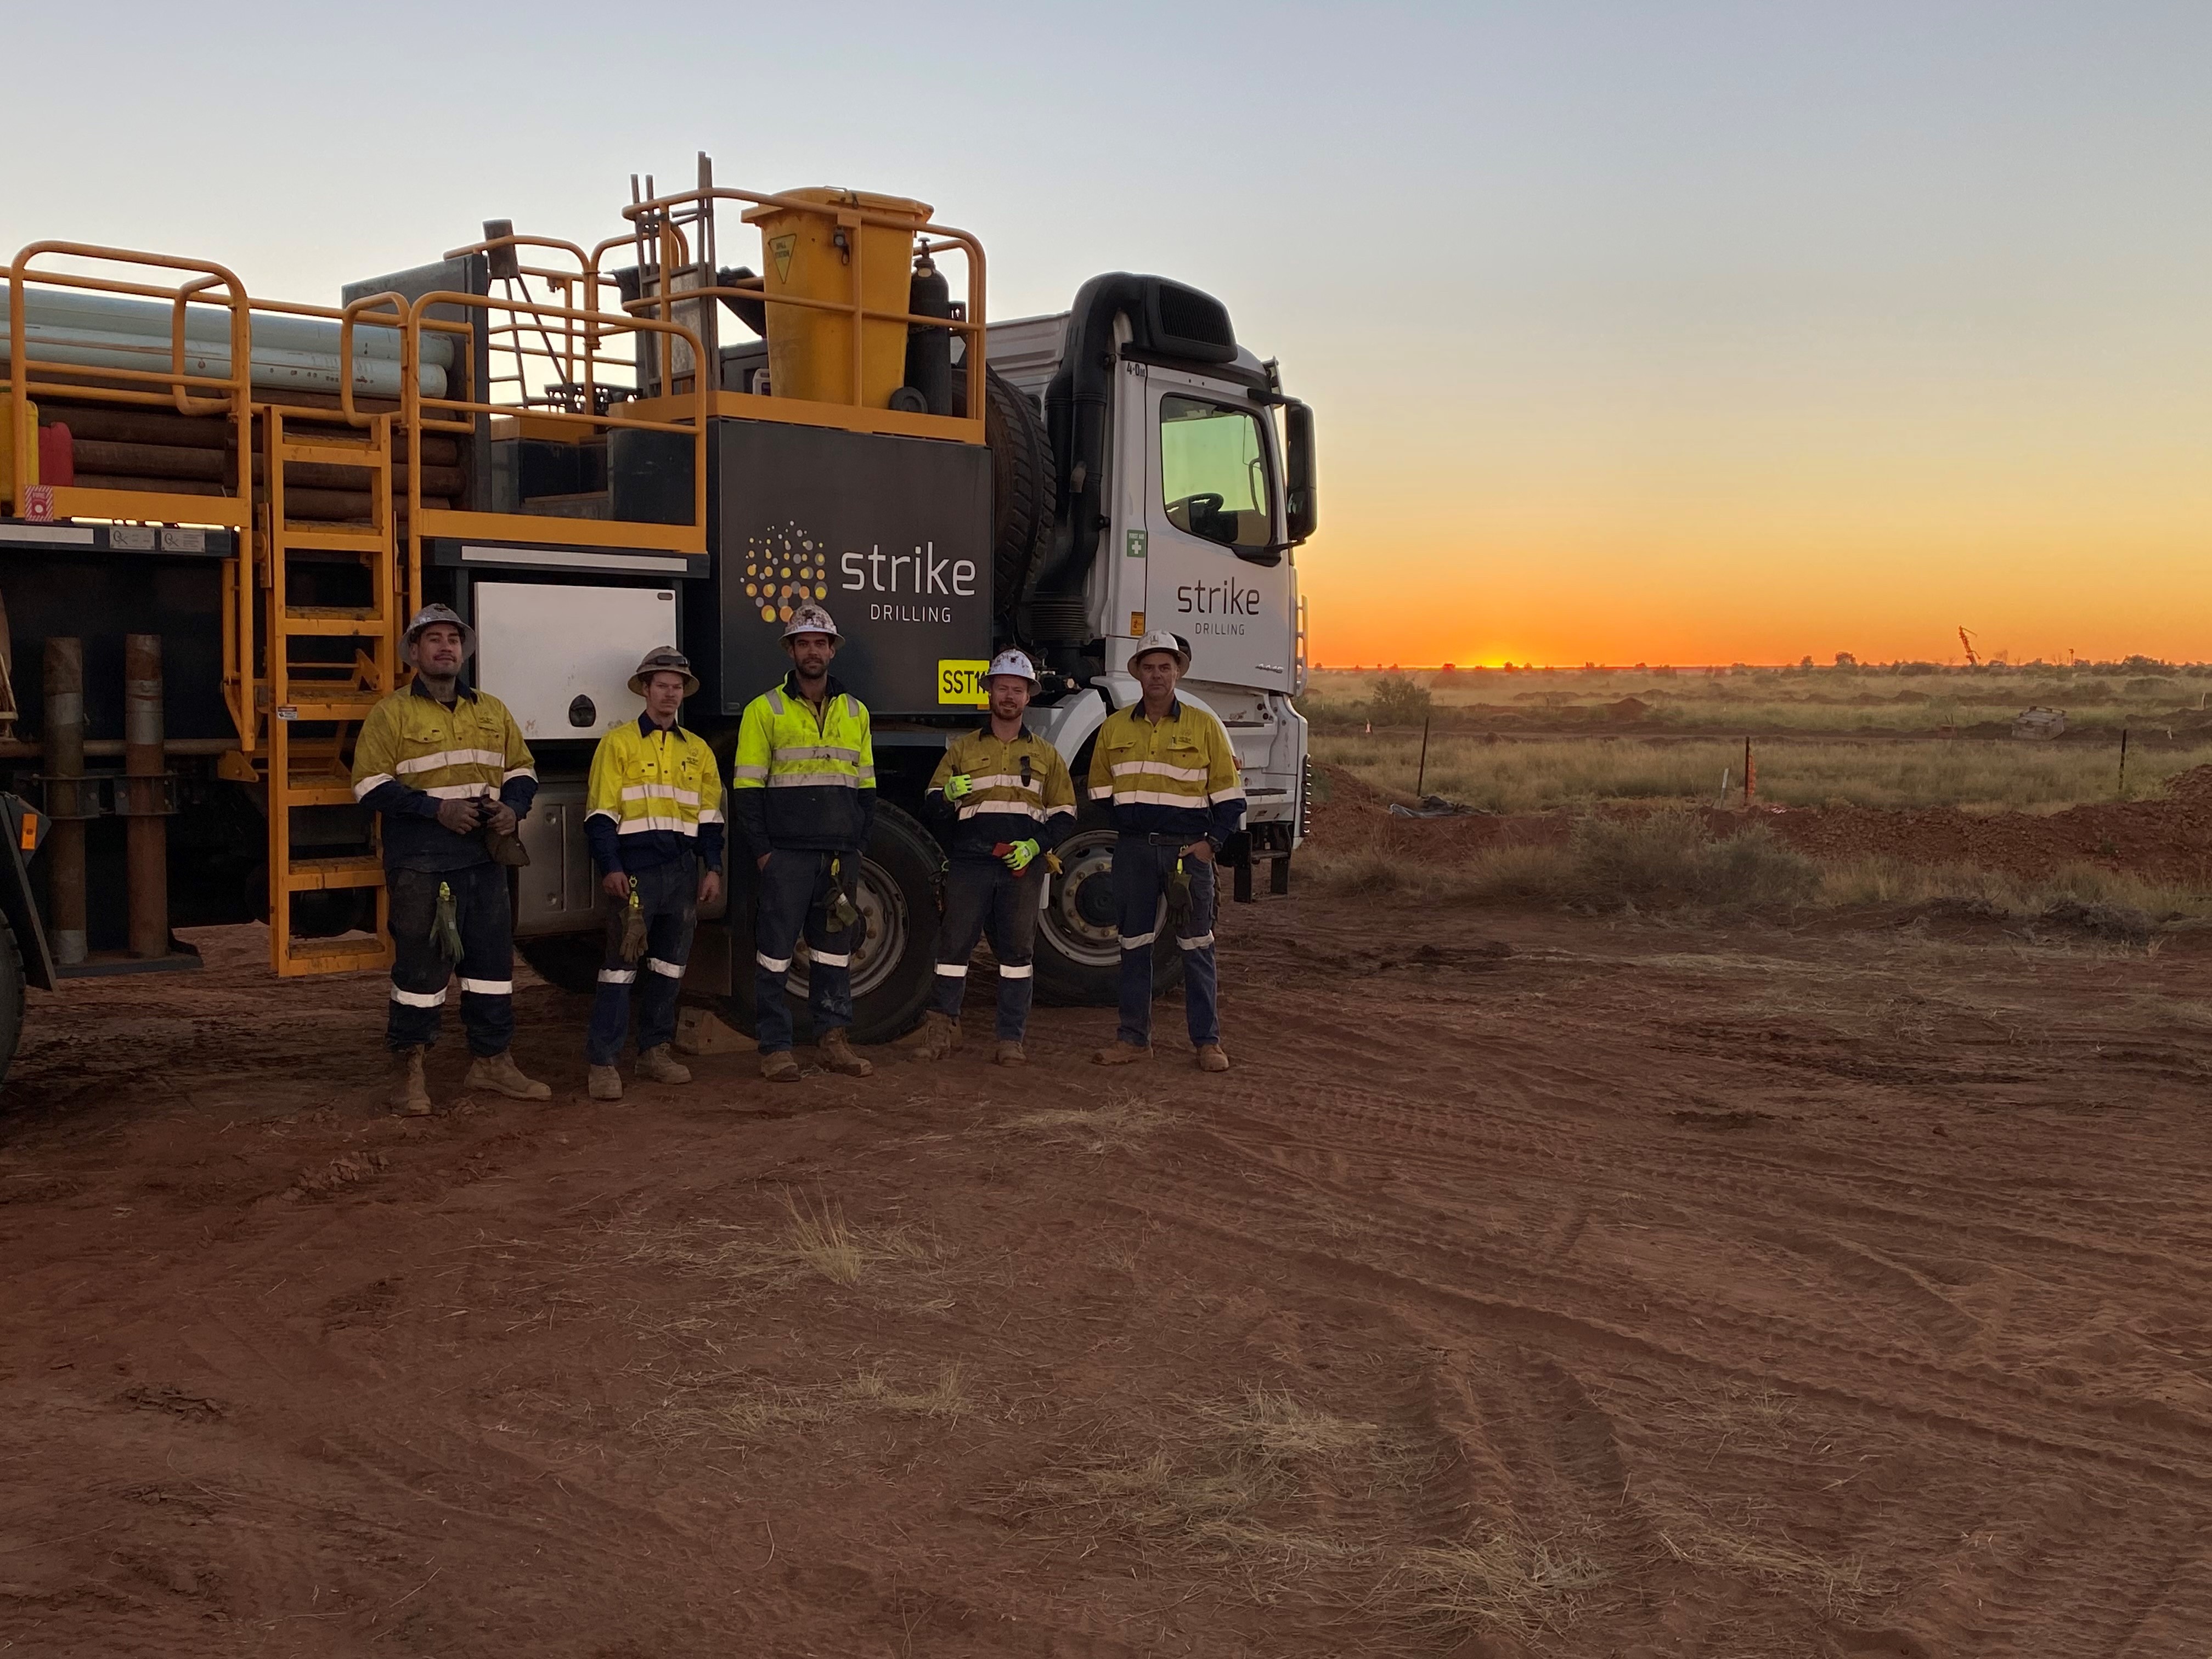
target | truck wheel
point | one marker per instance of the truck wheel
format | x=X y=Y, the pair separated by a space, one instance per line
x=1022 y=484
x=11 y=997
x=1079 y=948
x=566 y=961
x=894 y=965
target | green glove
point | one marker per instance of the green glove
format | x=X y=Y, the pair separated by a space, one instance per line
x=1019 y=854
x=959 y=787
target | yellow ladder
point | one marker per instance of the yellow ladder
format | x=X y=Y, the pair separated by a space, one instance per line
x=313 y=701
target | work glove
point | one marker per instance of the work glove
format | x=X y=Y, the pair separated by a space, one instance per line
x=446 y=925
x=959 y=787
x=1018 y=856
x=843 y=913
x=634 y=929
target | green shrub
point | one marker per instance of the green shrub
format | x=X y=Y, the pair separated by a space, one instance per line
x=1399 y=700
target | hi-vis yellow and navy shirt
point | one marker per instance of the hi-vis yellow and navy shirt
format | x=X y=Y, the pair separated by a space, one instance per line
x=414 y=751
x=653 y=796
x=1022 y=791
x=802 y=779
x=1174 y=776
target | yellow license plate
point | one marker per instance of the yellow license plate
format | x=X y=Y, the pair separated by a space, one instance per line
x=960 y=682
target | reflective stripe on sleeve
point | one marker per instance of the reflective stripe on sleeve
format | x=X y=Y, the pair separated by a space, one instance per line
x=617 y=975
x=1235 y=792
x=451 y=757
x=607 y=812
x=708 y=815
x=489 y=987
x=530 y=772
x=1199 y=944
x=361 y=790
x=1102 y=792
x=1056 y=811
x=420 y=998
x=639 y=826
x=666 y=969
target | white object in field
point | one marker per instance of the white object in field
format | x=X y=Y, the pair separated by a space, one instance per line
x=542 y=647
x=2039 y=722
x=83 y=330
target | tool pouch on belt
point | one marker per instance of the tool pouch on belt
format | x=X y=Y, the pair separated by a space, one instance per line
x=1179 y=894
x=504 y=849
x=633 y=939
x=446 y=925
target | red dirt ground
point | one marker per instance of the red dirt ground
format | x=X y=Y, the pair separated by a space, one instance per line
x=1534 y=1285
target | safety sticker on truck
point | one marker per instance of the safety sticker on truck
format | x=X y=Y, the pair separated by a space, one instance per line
x=960 y=682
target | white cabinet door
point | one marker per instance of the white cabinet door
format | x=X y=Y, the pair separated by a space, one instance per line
x=561 y=657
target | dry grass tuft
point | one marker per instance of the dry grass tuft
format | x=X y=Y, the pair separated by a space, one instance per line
x=1526 y=1586
x=947 y=1397
x=1113 y=1127
x=748 y=1411
x=815 y=1239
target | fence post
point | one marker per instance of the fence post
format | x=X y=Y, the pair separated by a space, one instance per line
x=1421 y=772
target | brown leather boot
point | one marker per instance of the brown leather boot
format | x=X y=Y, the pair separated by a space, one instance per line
x=837 y=1054
x=498 y=1073
x=1011 y=1054
x=658 y=1065
x=409 y=1097
x=941 y=1035
x=780 y=1066
x=1122 y=1053
x=1210 y=1058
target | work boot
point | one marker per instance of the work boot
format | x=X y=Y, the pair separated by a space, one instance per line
x=658 y=1065
x=1210 y=1058
x=1118 y=1053
x=410 y=1097
x=780 y=1066
x=1010 y=1054
x=941 y=1035
x=497 y=1073
x=837 y=1054
x=604 y=1083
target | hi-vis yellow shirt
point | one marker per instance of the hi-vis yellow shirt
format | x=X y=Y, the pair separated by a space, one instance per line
x=651 y=795
x=414 y=751
x=1175 y=776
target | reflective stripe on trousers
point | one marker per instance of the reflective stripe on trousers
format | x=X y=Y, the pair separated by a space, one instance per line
x=983 y=895
x=1141 y=873
x=420 y=975
x=791 y=906
x=668 y=896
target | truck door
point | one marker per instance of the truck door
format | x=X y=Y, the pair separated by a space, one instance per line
x=1216 y=569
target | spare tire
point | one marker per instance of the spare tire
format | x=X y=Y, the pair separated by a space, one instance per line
x=1022 y=480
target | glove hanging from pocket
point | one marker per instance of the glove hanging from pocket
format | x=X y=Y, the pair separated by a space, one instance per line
x=506 y=849
x=843 y=913
x=633 y=939
x=446 y=925
x=1179 y=896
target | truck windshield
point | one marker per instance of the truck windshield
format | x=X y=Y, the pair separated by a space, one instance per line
x=1213 y=472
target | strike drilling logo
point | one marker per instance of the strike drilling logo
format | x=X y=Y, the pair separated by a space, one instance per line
x=784 y=569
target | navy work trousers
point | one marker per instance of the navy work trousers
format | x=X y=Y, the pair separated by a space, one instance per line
x=1142 y=871
x=982 y=894
x=420 y=971
x=795 y=889
x=668 y=898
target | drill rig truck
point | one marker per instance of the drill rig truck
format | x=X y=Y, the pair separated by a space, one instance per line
x=218 y=510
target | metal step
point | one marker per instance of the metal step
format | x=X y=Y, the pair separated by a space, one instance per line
x=309 y=538
x=334 y=955
x=333 y=619
x=321 y=875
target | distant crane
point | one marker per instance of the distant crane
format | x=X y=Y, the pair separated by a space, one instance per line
x=1966 y=639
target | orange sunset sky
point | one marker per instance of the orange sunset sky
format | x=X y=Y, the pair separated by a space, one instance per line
x=1696 y=332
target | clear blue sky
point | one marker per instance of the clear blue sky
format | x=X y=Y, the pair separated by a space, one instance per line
x=1636 y=332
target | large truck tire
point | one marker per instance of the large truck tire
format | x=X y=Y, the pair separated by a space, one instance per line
x=568 y=962
x=1078 y=946
x=896 y=962
x=11 y=997
x=1022 y=485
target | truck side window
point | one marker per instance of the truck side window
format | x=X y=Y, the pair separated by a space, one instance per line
x=1213 y=472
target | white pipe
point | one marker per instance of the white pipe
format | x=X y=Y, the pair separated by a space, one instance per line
x=81 y=330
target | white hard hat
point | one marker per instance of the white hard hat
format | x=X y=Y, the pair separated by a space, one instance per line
x=432 y=614
x=811 y=619
x=1016 y=663
x=1160 y=639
